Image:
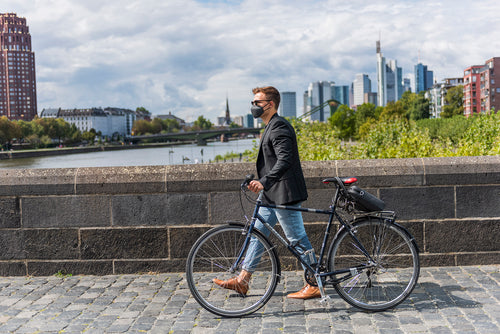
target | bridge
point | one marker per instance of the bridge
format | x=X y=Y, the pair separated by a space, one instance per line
x=200 y=137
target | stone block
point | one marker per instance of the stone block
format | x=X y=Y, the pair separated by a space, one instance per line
x=183 y=238
x=421 y=202
x=120 y=180
x=160 y=209
x=48 y=268
x=377 y=173
x=12 y=269
x=478 y=259
x=462 y=170
x=187 y=209
x=126 y=243
x=437 y=260
x=10 y=215
x=51 y=244
x=478 y=201
x=32 y=182
x=207 y=177
x=226 y=206
x=462 y=236
x=416 y=229
x=140 y=210
x=12 y=245
x=318 y=199
x=66 y=211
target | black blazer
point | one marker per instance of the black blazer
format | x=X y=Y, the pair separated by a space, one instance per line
x=278 y=164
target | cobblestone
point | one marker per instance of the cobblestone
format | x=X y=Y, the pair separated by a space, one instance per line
x=446 y=300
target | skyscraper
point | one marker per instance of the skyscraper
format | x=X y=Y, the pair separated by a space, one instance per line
x=317 y=93
x=389 y=79
x=341 y=94
x=288 y=105
x=17 y=69
x=424 y=79
x=361 y=85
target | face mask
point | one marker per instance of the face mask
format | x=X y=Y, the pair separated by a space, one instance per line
x=257 y=111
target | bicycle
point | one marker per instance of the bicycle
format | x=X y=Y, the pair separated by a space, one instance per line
x=372 y=262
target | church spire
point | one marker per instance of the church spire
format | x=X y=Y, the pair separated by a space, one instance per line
x=227 y=120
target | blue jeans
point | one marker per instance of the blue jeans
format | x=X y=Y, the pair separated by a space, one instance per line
x=293 y=226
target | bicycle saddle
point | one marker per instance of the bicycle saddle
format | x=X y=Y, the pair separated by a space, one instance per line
x=345 y=180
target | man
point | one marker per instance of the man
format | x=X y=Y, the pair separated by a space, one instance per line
x=281 y=178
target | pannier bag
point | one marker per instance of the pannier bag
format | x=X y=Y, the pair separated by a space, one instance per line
x=364 y=201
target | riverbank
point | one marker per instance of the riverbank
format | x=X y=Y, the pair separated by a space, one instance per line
x=126 y=155
x=46 y=152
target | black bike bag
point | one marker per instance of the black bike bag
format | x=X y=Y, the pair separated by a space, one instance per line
x=364 y=201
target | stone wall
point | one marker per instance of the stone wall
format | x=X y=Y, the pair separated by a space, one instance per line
x=119 y=220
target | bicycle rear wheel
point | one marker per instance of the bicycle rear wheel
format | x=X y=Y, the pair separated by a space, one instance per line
x=391 y=279
x=212 y=257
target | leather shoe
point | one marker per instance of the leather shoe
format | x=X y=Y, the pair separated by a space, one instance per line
x=307 y=292
x=233 y=284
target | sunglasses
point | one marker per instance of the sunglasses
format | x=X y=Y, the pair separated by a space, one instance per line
x=256 y=102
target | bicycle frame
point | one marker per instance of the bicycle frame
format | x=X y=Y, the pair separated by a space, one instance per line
x=317 y=274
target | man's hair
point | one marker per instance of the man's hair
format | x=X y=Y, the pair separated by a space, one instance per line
x=271 y=93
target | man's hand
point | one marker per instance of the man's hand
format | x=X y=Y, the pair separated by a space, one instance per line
x=255 y=186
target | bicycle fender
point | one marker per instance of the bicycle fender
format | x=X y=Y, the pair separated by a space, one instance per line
x=392 y=221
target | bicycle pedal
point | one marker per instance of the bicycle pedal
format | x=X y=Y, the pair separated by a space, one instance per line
x=325 y=300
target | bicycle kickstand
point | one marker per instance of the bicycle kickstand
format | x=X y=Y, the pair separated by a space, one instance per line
x=325 y=299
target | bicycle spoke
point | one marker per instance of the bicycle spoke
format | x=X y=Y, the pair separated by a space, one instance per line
x=213 y=257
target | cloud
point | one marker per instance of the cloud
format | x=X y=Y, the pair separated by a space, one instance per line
x=187 y=56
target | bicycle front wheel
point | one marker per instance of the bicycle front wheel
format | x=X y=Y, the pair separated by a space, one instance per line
x=386 y=282
x=213 y=257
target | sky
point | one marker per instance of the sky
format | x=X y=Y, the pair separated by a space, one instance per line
x=187 y=56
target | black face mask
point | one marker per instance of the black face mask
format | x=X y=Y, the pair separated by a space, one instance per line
x=257 y=111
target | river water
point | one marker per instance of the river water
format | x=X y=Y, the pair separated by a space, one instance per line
x=173 y=155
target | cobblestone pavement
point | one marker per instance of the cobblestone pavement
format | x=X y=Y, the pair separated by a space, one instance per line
x=446 y=300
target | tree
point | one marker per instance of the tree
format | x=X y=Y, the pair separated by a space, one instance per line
x=419 y=108
x=202 y=124
x=26 y=128
x=156 y=126
x=141 y=127
x=393 y=110
x=454 y=102
x=170 y=125
x=8 y=130
x=89 y=136
x=344 y=121
x=366 y=113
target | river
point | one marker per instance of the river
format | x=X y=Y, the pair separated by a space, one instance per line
x=173 y=155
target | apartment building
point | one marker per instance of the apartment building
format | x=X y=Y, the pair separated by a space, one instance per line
x=17 y=69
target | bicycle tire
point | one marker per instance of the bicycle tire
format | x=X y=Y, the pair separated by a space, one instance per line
x=212 y=256
x=396 y=270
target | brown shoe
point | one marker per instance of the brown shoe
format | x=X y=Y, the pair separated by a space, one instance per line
x=238 y=283
x=307 y=292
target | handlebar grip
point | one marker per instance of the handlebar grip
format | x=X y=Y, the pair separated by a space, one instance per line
x=248 y=178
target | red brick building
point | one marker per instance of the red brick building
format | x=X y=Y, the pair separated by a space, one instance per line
x=472 y=90
x=17 y=69
x=490 y=86
x=481 y=88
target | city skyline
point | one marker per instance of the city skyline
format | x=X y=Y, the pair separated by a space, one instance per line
x=185 y=57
